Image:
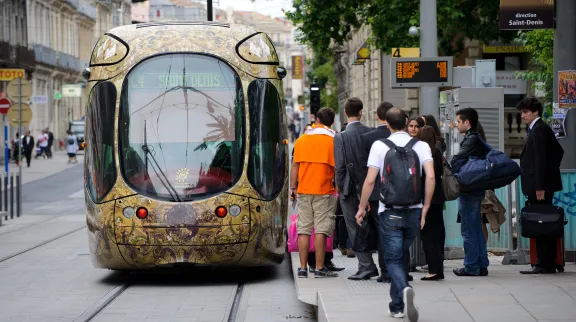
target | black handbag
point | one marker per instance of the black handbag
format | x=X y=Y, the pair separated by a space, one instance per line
x=542 y=221
x=366 y=239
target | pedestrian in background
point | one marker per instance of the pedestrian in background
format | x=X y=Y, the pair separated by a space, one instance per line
x=72 y=147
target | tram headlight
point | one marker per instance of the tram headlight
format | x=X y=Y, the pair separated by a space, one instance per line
x=235 y=210
x=128 y=212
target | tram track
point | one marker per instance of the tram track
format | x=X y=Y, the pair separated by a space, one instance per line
x=5 y=258
x=92 y=313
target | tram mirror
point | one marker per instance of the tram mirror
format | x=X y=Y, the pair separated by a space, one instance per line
x=257 y=49
x=281 y=72
x=86 y=74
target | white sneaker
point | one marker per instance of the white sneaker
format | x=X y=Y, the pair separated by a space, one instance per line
x=410 y=311
x=395 y=315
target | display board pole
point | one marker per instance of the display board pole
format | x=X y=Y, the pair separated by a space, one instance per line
x=429 y=48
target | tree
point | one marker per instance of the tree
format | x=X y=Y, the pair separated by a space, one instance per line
x=323 y=21
x=540 y=47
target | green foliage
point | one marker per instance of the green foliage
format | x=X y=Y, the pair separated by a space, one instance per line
x=540 y=47
x=323 y=21
x=324 y=77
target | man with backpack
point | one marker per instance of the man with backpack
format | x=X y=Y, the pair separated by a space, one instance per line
x=472 y=146
x=399 y=160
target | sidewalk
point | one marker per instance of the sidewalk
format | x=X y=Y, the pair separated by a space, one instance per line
x=504 y=295
x=42 y=168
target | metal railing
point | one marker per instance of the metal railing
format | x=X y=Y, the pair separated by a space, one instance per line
x=11 y=195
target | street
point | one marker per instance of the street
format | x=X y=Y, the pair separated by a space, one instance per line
x=46 y=274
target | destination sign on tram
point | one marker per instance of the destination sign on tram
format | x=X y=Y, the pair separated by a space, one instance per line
x=161 y=81
x=418 y=72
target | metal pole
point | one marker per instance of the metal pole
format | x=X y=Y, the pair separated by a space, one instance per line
x=209 y=9
x=20 y=126
x=12 y=196
x=565 y=59
x=429 y=48
x=18 y=195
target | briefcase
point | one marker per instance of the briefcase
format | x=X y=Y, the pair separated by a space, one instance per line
x=542 y=221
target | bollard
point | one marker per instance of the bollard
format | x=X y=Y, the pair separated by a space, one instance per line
x=6 y=194
x=6 y=214
x=12 y=195
x=18 y=195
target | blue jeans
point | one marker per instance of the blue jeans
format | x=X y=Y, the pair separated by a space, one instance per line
x=398 y=228
x=475 y=253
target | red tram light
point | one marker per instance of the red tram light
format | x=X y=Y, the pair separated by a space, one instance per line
x=142 y=213
x=221 y=212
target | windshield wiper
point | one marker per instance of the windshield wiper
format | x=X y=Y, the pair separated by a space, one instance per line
x=173 y=193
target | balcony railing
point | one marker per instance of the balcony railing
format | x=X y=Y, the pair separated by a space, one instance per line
x=45 y=55
x=73 y=3
x=25 y=57
x=88 y=10
x=68 y=62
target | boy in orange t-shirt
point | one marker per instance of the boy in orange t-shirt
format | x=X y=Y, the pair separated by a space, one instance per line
x=313 y=169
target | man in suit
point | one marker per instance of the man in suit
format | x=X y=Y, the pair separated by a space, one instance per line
x=351 y=171
x=379 y=133
x=28 y=147
x=540 y=164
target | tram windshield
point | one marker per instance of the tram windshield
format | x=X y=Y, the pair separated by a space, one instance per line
x=181 y=126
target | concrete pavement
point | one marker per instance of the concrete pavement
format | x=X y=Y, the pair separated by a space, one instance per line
x=504 y=295
x=42 y=168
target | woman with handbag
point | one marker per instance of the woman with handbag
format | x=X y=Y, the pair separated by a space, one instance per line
x=433 y=234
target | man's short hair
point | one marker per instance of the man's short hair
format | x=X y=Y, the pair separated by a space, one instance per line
x=531 y=104
x=326 y=116
x=469 y=114
x=383 y=109
x=353 y=106
x=396 y=118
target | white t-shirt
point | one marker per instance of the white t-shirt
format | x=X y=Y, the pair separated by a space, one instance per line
x=43 y=140
x=379 y=150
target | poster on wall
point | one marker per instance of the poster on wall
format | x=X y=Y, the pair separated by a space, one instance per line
x=526 y=14
x=567 y=88
x=557 y=122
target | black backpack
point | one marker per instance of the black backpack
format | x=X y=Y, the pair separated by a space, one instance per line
x=401 y=178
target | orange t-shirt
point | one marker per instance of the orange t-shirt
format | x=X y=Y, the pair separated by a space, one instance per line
x=315 y=154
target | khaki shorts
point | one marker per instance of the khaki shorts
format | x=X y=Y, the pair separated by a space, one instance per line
x=318 y=212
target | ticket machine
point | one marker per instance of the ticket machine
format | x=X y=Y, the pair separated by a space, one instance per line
x=488 y=101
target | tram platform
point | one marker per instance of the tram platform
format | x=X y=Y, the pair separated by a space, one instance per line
x=505 y=295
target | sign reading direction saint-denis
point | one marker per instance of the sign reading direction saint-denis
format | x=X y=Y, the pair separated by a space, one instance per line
x=420 y=71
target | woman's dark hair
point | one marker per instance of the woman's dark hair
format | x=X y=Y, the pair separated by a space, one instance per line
x=428 y=135
x=481 y=132
x=431 y=121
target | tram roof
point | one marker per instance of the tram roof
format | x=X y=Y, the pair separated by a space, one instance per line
x=124 y=46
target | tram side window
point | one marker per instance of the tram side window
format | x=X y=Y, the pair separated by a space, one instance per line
x=267 y=161
x=99 y=166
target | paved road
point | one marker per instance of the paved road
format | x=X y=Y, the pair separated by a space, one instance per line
x=46 y=274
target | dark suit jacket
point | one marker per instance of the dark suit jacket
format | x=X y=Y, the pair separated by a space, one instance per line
x=540 y=161
x=28 y=146
x=354 y=156
x=379 y=133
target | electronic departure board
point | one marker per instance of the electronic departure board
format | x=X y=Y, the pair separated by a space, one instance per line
x=417 y=72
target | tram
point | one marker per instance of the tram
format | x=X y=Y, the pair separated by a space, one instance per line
x=186 y=147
